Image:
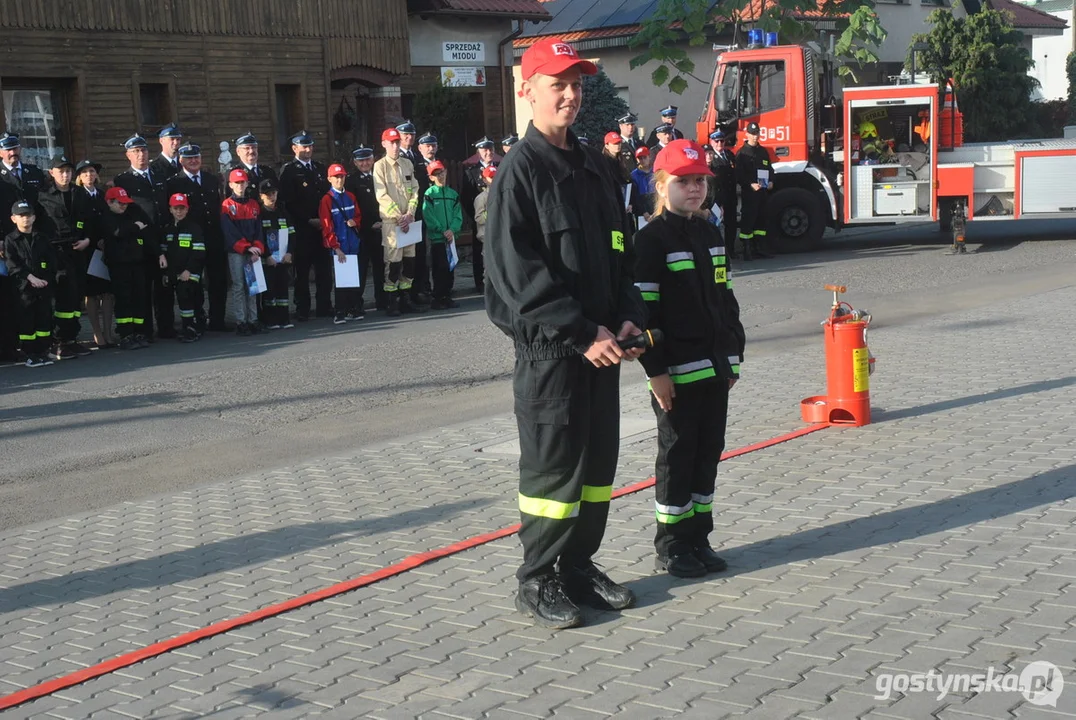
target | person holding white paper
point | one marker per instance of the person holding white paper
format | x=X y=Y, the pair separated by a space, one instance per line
x=279 y=231
x=340 y=218
x=397 y=193
x=443 y=215
x=241 y=222
x=755 y=176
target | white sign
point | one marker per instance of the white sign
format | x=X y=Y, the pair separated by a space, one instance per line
x=463 y=76
x=464 y=52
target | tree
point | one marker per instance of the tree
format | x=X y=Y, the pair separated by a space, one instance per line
x=1070 y=68
x=700 y=21
x=440 y=110
x=983 y=54
x=601 y=107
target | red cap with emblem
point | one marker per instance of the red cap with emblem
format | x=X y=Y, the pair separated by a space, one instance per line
x=390 y=134
x=613 y=138
x=552 y=56
x=178 y=200
x=682 y=157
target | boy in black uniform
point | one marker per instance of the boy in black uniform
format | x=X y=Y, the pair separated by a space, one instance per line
x=559 y=277
x=360 y=183
x=31 y=266
x=67 y=216
x=130 y=245
x=303 y=183
x=184 y=245
x=755 y=176
x=277 y=265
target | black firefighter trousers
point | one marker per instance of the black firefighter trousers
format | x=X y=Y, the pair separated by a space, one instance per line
x=691 y=439
x=568 y=413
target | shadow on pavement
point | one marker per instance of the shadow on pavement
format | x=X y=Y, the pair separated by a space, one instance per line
x=217 y=557
x=878 y=416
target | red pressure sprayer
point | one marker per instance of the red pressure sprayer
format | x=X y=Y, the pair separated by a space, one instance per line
x=849 y=364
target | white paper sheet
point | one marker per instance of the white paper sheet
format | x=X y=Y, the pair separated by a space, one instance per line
x=627 y=196
x=413 y=236
x=347 y=272
x=764 y=178
x=453 y=256
x=642 y=222
x=97 y=266
x=256 y=278
x=282 y=244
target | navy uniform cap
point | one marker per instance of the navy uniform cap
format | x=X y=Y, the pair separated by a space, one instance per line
x=627 y=119
x=22 y=208
x=428 y=139
x=485 y=142
x=510 y=140
x=170 y=131
x=60 y=161
x=190 y=150
x=135 y=141
x=362 y=153
x=583 y=139
x=87 y=164
x=247 y=139
x=302 y=138
x=668 y=111
x=718 y=134
x=267 y=186
x=664 y=129
x=406 y=127
x=9 y=140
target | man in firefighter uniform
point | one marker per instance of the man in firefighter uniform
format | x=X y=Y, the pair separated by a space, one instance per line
x=629 y=142
x=27 y=180
x=507 y=142
x=724 y=169
x=303 y=182
x=668 y=117
x=396 y=190
x=420 y=284
x=166 y=164
x=560 y=285
x=246 y=148
x=360 y=183
x=755 y=177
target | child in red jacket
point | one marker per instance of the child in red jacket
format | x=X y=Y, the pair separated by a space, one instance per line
x=239 y=219
x=340 y=218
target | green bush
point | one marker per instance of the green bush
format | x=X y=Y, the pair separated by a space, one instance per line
x=1070 y=68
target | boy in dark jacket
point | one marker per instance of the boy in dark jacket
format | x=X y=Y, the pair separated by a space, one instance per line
x=31 y=265
x=240 y=219
x=340 y=218
x=185 y=252
x=129 y=247
x=275 y=221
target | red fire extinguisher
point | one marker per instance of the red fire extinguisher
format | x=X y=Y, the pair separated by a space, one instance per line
x=857 y=144
x=849 y=364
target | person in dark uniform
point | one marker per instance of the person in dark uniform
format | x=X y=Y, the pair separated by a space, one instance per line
x=303 y=182
x=664 y=135
x=723 y=167
x=420 y=287
x=683 y=273
x=472 y=185
x=204 y=194
x=246 y=147
x=30 y=263
x=66 y=220
x=560 y=285
x=166 y=164
x=755 y=177
x=360 y=183
x=9 y=336
x=98 y=290
x=611 y=153
x=629 y=142
x=508 y=142
x=427 y=147
x=147 y=191
x=668 y=117
x=28 y=180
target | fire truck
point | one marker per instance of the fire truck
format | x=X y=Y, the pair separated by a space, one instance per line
x=889 y=154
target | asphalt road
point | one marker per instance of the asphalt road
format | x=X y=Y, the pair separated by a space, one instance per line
x=119 y=426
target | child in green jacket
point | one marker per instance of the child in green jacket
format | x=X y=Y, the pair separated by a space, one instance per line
x=443 y=220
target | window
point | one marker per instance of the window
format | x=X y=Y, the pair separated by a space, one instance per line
x=289 y=115
x=762 y=87
x=154 y=105
x=37 y=114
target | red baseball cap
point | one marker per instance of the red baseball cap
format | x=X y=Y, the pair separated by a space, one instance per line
x=682 y=157
x=118 y=194
x=238 y=175
x=178 y=200
x=489 y=172
x=390 y=134
x=552 y=56
x=612 y=138
x=337 y=170
x=434 y=166
x=642 y=152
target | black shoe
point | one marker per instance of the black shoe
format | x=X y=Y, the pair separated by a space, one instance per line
x=188 y=335
x=587 y=585
x=242 y=330
x=77 y=349
x=451 y=304
x=143 y=341
x=129 y=343
x=683 y=565
x=543 y=599
x=340 y=319
x=392 y=308
x=355 y=315
x=405 y=305
x=713 y=562
x=37 y=361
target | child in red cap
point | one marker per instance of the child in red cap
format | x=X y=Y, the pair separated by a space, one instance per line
x=443 y=218
x=682 y=271
x=130 y=246
x=242 y=226
x=185 y=251
x=340 y=218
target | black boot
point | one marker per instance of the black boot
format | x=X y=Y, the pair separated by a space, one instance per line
x=587 y=585
x=404 y=303
x=680 y=564
x=711 y=561
x=543 y=598
x=392 y=305
x=746 y=254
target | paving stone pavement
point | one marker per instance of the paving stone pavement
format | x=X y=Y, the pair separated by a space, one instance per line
x=941 y=537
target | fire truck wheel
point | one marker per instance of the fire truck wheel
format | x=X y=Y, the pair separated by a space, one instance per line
x=798 y=222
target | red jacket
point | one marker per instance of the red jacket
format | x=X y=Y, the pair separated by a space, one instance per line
x=334 y=211
x=240 y=223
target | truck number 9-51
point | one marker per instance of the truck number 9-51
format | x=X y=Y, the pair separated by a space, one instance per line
x=778 y=134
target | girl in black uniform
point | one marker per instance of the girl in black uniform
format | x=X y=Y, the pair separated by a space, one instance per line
x=683 y=273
